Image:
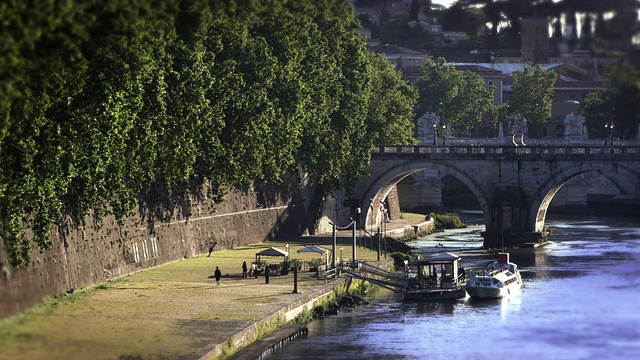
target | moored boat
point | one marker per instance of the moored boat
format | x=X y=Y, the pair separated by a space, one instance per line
x=438 y=277
x=500 y=279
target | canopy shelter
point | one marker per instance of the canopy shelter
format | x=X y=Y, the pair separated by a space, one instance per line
x=271 y=252
x=316 y=249
x=276 y=269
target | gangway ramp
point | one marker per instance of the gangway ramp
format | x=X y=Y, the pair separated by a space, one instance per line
x=393 y=281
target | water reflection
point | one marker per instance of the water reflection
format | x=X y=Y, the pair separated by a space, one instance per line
x=580 y=301
x=434 y=308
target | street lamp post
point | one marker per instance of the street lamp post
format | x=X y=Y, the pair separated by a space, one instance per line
x=353 y=249
x=434 y=133
x=444 y=126
x=609 y=128
x=333 y=247
x=444 y=132
x=609 y=133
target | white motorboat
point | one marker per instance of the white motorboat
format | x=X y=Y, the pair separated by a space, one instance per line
x=500 y=279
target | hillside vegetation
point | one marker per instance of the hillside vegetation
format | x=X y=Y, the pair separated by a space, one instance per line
x=101 y=100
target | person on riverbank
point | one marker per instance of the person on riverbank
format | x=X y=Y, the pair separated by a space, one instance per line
x=218 y=275
x=244 y=270
x=267 y=272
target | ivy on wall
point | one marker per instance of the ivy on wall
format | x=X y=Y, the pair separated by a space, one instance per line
x=100 y=100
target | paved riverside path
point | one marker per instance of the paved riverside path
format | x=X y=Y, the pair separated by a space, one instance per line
x=173 y=311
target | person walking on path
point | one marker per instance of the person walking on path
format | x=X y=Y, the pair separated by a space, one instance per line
x=244 y=270
x=218 y=274
x=267 y=271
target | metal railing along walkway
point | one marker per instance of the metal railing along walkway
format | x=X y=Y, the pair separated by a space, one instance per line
x=387 y=279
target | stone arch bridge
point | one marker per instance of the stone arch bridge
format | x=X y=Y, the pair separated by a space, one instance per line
x=514 y=185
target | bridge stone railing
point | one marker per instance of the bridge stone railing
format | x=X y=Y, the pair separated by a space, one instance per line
x=628 y=152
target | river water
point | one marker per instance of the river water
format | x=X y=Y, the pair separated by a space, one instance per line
x=581 y=300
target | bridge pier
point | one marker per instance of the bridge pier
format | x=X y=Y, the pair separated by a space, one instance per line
x=497 y=239
x=508 y=224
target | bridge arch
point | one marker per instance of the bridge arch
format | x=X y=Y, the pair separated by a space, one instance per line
x=386 y=181
x=623 y=177
x=513 y=185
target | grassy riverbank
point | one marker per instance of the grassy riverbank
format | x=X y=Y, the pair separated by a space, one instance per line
x=171 y=311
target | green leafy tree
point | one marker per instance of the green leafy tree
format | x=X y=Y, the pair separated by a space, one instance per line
x=532 y=95
x=390 y=116
x=336 y=146
x=437 y=87
x=472 y=102
x=618 y=104
x=458 y=97
x=104 y=100
x=43 y=65
x=597 y=112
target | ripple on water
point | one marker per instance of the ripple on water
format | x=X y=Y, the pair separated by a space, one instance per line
x=580 y=301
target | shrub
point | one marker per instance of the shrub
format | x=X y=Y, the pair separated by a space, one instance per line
x=295 y=263
x=304 y=317
x=447 y=221
x=399 y=259
x=314 y=263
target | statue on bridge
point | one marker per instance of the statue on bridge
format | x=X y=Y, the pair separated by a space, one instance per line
x=573 y=127
x=427 y=125
x=517 y=127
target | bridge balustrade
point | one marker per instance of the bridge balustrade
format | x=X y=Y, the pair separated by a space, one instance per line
x=504 y=150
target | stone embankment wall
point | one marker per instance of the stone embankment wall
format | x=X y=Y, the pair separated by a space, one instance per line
x=251 y=333
x=104 y=250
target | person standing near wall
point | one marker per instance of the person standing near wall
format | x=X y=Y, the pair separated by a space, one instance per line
x=267 y=272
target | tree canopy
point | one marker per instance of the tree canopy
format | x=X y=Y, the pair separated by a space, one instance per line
x=615 y=110
x=460 y=98
x=101 y=100
x=532 y=95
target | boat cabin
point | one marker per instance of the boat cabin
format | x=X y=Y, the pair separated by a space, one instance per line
x=439 y=271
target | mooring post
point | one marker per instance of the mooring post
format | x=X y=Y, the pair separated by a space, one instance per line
x=379 y=244
x=353 y=251
x=333 y=248
x=295 y=281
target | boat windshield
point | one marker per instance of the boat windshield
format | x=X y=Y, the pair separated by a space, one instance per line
x=484 y=281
